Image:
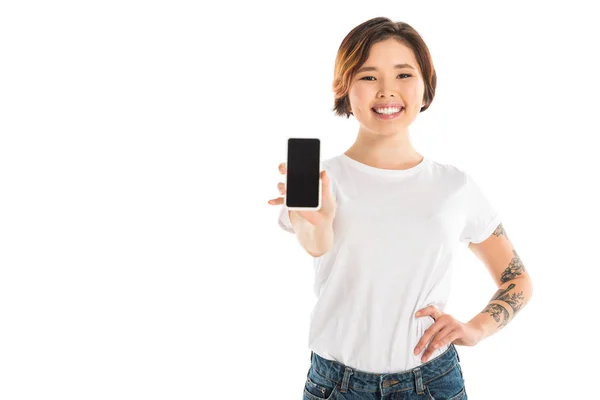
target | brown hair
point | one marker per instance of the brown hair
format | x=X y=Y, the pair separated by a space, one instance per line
x=354 y=51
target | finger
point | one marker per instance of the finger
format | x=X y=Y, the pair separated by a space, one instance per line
x=433 y=311
x=446 y=336
x=282 y=168
x=423 y=312
x=276 y=201
x=424 y=340
x=435 y=342
x=281 y=187
x=324 y=178
x=428 y=334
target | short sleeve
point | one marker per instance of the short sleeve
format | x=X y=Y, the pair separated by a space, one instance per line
x=481 y=217
x=284 y=219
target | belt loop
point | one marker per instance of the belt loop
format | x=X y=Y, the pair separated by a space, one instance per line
x=418 y=380
x=346 y=379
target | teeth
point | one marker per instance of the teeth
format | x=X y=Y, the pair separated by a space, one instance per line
x=388 y=110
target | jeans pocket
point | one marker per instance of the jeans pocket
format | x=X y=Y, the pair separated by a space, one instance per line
x=449 y=386
x=459 y=396
x=318 y=388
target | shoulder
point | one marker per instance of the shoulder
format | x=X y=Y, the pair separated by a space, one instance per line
x=448 y=172
x=332 y=162
x=335 y=171
x=334 y=166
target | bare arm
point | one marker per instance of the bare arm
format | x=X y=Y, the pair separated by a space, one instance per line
x=313 y=229
x=513 y=281
x=315 y=239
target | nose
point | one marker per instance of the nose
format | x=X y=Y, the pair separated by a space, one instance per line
x=386 y=89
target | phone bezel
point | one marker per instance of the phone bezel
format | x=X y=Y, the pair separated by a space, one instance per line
x=318 y=207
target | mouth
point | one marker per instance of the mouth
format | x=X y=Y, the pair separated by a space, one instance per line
x=387 y=113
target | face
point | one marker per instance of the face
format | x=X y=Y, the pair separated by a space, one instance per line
x=383 y=83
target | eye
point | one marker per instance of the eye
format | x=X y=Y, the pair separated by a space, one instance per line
x=365 y=78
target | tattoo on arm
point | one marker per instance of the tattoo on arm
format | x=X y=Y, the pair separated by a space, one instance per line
x=515 y=268
x=515 y=300
x=498 y=311
x=500 y=231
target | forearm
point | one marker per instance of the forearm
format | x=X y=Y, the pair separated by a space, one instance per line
x=506 y=303
x=315 y=239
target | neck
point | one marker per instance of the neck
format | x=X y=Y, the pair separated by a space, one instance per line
x=386 y=152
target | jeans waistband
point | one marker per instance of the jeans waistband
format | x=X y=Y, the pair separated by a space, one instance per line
x=414 y=378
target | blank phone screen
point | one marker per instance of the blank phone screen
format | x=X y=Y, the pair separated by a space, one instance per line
x=303 y=172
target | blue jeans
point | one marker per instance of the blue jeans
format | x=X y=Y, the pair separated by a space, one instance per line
x=436 y=379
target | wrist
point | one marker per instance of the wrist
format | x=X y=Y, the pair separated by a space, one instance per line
x=479 y=326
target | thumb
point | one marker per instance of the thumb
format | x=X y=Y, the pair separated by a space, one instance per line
x=324 y=178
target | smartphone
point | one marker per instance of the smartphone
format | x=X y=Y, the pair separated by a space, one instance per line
x=303 y=178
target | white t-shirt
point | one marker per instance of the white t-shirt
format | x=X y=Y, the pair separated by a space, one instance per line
x=396 y=233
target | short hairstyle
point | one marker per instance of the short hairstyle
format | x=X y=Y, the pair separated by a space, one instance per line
x=354 y=51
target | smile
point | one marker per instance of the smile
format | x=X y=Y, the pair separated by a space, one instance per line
x=388 y=113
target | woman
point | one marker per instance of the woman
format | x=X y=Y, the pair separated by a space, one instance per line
x=384 y=239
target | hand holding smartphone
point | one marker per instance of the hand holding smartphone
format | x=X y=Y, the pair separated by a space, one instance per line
x=307 y=190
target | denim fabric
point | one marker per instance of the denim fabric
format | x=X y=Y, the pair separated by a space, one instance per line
x=436 y=379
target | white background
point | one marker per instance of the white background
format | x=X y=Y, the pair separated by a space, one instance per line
x=139 y=144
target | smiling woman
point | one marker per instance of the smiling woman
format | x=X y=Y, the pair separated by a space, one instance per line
x=351 y=61
x=387 y=249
